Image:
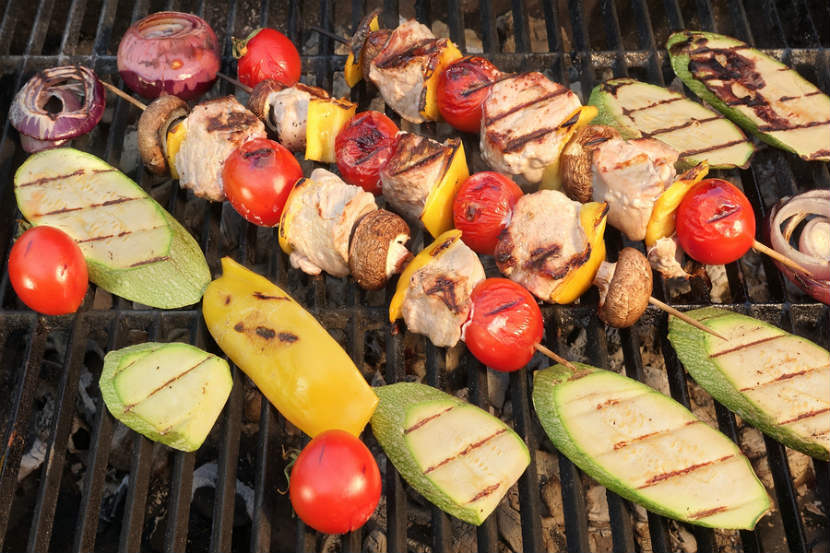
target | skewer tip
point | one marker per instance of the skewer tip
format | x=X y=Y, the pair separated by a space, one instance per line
x=683 y=317
x=556 y=357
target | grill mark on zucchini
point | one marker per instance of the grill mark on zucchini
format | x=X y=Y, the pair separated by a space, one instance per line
x=490 y=120
x=708 y=512
x=77 y=173
x=785 y=376
x=119 y=235
x=774 y=128
x=131 y=406
x=86 y=207
x=151 y=260
x=680 y=472
x=790 y=98
x=748 y=345
x=627 y=111
x=423 y=421
x=688 y=123
x=713 y=148
x=466 y=450
x=626 y=443
x=485 y=492
x=805 y=415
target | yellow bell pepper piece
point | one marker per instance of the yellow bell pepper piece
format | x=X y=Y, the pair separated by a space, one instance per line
x=552 y=177
x=285 y=220
x=433 y=251
x=437 y=215
x=291 y=358
x=662 y=220
x=175 y=137
x=448 y=55
x=326 y=116
x=353 y=70
x=592 y=217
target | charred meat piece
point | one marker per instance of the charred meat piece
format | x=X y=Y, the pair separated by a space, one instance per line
x=525 y=122
x=543 y=243
x=284 y=110
x=665 y=257
x=629 y=176
x=437 y=300
x=213 y=130
x=319 y=217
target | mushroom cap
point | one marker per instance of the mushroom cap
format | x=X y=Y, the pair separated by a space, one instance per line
x=374 y=235
x=375 y=41
x=577 y=158
x=258 y=100
x=153 y=125
x=629 y=290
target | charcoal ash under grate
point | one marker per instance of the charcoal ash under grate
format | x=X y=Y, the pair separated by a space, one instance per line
x=586 y=47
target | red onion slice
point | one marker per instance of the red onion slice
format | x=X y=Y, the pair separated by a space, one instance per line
x=33 y=145
x=813 y=249
x=77 y=90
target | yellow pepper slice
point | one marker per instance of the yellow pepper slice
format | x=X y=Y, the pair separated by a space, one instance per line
x=662 y=220
x=175 y=137
x=448 y=55
x=353 y=70
x=437 y=215
x=291 y=358
x=285 y=220
x=433 y=251
x=552 y=177
x=326 y=116
x=592 y=217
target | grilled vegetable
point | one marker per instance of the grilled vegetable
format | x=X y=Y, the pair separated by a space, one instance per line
x=291 y=358
x=154 y=126
x=456 y=455
x=353 y=70
x=774 y=380
x=757 y=92
x=171 y=393
x=647 y=447
x=326 y=117
x=133 y=247
x=661 y=224
x=642 y=110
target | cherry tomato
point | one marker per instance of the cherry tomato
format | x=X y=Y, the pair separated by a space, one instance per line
x=504 y=326
x=715 y=222
x=258 y=176
x=482 y=208
x=267 y=54
x=48 y=271
x=335 y=483
x=363 y=147
x=462 y=88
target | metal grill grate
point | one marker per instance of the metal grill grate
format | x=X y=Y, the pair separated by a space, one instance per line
x=584 y=46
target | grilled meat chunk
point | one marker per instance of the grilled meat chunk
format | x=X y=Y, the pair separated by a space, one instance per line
x=629 y=176
x=664 y=256
x=284 y=110
x=524 y=124
x=320 y=215
x=213 y=130
x=437 y=300
x=543 y=243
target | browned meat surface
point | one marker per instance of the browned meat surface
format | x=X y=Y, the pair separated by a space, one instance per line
x=285 y=111
x=414 y=169
x=629 y=176
x=664 y=256
x=437 y=301
x=214 y=129
x=320 y=216
x=524 y=124
x=543 y=243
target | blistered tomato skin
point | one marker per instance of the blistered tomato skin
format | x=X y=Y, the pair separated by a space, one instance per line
x=363 y=147
x=715 y=222
x=505 y=325
x=267 y=54
x=482 y=209
x=48 y=271
x=258 y=177
x=462 y=88
x=335 y=483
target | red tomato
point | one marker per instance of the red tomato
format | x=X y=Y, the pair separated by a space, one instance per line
x=335 y=483
x=48 y=271
x=258 y=176
x=482 y=209
x=363 y=147
x=462 y=88
x=267 y=54
x=715 y=222
x=504 y=326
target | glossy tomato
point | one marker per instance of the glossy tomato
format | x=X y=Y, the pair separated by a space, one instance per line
x=462 y=88
x=335 y=483
x=505 y=324
x=715 y=222
x=482 y=207
x=267 y=54
x=48 y=271
x=363 y=147
x=258 y=176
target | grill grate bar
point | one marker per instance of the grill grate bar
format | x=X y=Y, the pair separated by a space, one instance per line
x=175 y=534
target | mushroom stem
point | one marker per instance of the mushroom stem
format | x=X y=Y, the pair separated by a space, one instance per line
x=762 y=248
x=120 y=93
x=554 y=356
x=244 y=87
x=683 y=317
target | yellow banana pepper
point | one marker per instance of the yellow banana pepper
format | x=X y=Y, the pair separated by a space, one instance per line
x=592 y=218
x=326 y=116
x=662 y=220
x=437 y=215
x=291 y=358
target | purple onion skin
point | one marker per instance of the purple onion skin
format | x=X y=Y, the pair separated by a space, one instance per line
x=33 y=145
x=169 y=52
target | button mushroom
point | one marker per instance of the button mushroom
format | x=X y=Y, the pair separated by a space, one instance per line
x=153 y=125
x=624 y=288
x=378 y=248
x=577 y=157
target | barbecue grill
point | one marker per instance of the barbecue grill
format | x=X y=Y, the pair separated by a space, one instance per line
x=92 y=485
